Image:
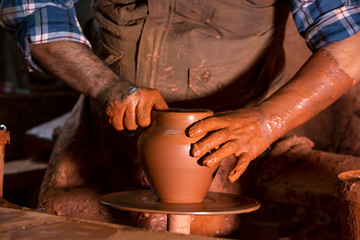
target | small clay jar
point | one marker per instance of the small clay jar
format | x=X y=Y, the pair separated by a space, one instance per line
x=164 y=149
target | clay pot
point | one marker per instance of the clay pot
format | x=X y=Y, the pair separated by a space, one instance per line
x=164 y=149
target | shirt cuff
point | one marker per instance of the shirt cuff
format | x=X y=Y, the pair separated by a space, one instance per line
x=49 y=24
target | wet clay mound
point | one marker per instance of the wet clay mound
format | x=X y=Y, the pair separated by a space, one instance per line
x=294 y=173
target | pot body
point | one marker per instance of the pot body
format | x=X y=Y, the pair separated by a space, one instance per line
x=164 y=150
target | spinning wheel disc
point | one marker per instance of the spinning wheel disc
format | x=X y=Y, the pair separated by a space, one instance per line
x=213 y=204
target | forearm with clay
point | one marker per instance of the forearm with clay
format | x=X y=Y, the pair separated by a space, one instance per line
x=246 y=133
x=126 y=105
x=315 y=87
x=325 y=77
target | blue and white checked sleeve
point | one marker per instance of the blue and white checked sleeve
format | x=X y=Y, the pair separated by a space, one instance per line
x=324 y=21
x=41 y=21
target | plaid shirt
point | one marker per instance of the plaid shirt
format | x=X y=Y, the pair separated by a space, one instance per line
x=39 y=21
x=42 y=21
x=324 y=21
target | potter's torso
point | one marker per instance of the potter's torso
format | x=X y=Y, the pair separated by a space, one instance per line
x=229 y=50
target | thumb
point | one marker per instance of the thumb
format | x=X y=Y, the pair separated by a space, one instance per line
x=160 y=104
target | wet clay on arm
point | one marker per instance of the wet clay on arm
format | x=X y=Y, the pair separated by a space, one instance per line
x=324 y=78
x=246 y=133
x=126 y=105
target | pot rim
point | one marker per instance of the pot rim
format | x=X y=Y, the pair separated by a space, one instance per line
x=185 y=110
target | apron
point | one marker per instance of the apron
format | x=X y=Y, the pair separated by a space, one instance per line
x=219 y=55
x=227 y=51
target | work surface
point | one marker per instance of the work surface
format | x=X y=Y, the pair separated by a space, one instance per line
x=22 y=224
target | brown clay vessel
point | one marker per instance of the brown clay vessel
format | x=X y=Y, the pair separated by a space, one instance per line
x=164 y=150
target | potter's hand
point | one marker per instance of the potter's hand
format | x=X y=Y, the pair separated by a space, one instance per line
x=238 y=133
x=129 y=106
x=246 y=133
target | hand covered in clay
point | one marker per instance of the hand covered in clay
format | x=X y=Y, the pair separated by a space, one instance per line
x=129 y=106
x=246 y=133
x=126 y=105
x=238 y=133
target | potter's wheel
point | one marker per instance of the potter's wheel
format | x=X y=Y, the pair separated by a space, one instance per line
x=213 y=203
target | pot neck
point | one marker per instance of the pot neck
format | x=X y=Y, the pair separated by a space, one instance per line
x=175 y=118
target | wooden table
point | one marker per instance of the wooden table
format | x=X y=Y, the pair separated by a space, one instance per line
x=27 y=224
